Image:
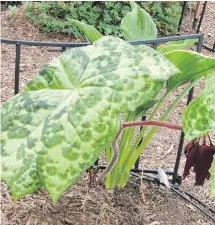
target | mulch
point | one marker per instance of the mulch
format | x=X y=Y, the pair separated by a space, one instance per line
x=208 y=22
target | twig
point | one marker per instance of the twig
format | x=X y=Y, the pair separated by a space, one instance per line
x=170 y=149
x=85 y=199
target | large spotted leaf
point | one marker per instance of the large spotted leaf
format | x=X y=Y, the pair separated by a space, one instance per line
x=56 y=129
x=199 y=116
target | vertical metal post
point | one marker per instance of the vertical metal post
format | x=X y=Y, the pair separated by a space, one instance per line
x=201 y=18
x=96 y=162
x=155 y=45
x=136 y=165
x=181 y=142
x=182 y=15
x=200 y=43
x=63 y=49
x=17 y=68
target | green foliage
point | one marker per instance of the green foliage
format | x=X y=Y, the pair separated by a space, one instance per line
x=91 y=33
x=105 y=16
x=166 y=15
x=192 y=65
x=130 y=150
x=199 y=116
x=56 y=129
x=138 y=25
x=176 y=45
x=12 y=10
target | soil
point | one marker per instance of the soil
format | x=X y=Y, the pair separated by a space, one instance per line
x=139 y=203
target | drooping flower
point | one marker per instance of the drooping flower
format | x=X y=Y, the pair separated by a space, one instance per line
x=199 y=157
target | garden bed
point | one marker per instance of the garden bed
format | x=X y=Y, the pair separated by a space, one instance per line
x=137 y=204
x=83 y=204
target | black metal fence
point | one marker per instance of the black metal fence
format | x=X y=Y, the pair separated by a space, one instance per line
x=176 y=178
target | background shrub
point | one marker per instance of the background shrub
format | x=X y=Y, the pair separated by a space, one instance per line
x=105 y=16
x=5 y=5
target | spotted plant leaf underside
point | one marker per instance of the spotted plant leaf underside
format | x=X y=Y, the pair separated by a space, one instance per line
x=56 y=128
x=199 y=117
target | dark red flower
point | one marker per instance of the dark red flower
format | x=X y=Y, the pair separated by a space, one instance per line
x=200 y=158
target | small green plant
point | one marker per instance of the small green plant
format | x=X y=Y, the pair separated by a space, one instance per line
x=56 y=128
x=105 y=16
x=13 y=10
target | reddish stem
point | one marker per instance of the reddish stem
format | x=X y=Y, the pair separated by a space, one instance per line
x=152 y=123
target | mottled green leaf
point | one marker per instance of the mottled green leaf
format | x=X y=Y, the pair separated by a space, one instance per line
x=21 y=130
x=199 y=117
x=57 y=128
x=176 y=45
x=212 y=178
x=138 y=25
x=192 y=65
x=91 y=32
x=141 y=110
